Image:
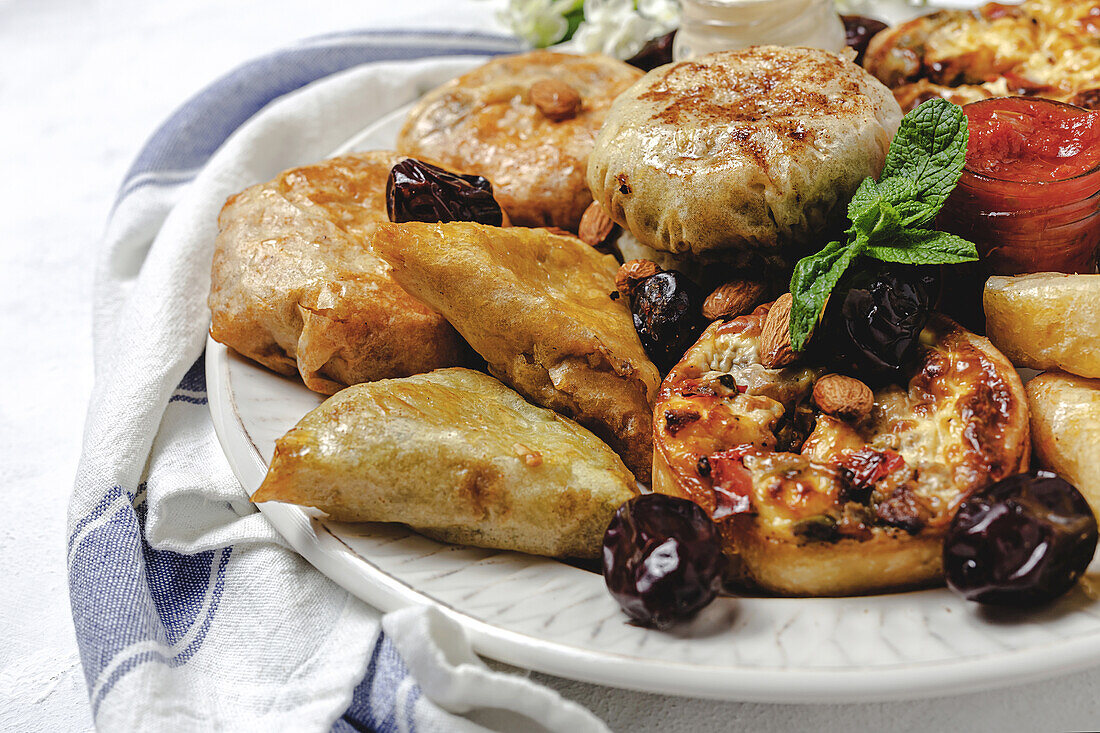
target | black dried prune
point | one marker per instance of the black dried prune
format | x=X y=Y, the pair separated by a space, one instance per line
x=656 y=52
x=668 y=315
x=418 y=191
x=662 y=560
x=858 y=31
x=1022 y=541
x=873 y=321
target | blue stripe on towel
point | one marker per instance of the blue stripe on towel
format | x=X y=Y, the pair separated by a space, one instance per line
x=374 y=701
x=133 y=604
x=190 y=136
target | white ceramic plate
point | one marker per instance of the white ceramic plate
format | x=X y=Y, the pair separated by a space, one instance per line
x=552 y=617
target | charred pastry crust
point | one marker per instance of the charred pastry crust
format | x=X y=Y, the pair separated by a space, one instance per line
x=810 y=504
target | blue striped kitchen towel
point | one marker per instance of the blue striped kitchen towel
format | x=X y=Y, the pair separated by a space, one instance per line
x=191 y=613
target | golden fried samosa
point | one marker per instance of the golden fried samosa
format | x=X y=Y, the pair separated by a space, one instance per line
x=455 y=455
x=296 y=287
x=537 y=307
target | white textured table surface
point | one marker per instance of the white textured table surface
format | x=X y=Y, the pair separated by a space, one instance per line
x=82 y=85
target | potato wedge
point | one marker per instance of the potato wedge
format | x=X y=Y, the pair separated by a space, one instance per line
x=1065 y=429
x=1046 y=320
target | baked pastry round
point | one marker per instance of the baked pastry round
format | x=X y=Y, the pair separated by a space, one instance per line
x=487 y=122
x=809 y=504
x=741 y=153
x=296 y=286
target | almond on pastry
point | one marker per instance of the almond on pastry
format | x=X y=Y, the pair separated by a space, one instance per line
x=631 y=273
x=555 y=99
x=843 y=397
x=733 y=298
x=596 y=225
x=775 y=342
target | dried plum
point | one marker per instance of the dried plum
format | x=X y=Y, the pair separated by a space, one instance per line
x=1022 y=541
x=858 y=31
x=419 y=191
x=668 y=315
x=873 y=321
x=656 y=52
x=662 y=560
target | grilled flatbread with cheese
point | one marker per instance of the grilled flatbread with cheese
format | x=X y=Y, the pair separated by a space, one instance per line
x=537 y=307
x=296 y=287
x=1046 y=48
x=457 y=456
x=808 y=504
x=743 y=154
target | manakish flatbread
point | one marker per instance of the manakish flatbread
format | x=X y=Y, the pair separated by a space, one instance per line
x=295 y=285
x=455 y=455
x=537 y=307
x=808 y=504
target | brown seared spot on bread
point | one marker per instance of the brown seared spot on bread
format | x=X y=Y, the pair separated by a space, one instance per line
x=769 y=96
x=480 y=489
x=677 y=419
x=725 y=90
x=987 y=411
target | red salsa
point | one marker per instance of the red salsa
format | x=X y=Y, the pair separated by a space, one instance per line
x=1029 y=195
x=1031 y=140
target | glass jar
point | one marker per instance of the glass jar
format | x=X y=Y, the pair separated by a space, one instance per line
x=719 y=25
x=1039 y=210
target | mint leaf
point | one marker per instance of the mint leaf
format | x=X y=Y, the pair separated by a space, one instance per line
x=929 y=150
x=813 y=280
x=923 y=247
x=922 y=167
x=891 y=190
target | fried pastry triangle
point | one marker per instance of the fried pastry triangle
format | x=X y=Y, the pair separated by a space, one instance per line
x=537 y=307
x=457 y=456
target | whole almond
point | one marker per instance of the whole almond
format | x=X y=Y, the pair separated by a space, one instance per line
x=631 y=273
x=775 y=340
x=843 y=397
x=596 y=225
x=732 y=299
x=555 y=99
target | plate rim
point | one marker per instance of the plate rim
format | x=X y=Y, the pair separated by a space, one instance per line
x=312 y=539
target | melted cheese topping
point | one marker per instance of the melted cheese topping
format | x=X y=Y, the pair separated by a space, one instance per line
x=726 y=428
x=1050 y=48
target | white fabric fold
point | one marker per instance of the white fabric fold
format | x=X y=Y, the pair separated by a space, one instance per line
x=456 y=680
x=263 y=641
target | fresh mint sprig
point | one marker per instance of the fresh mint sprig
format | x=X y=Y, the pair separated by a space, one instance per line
x=922 y=167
